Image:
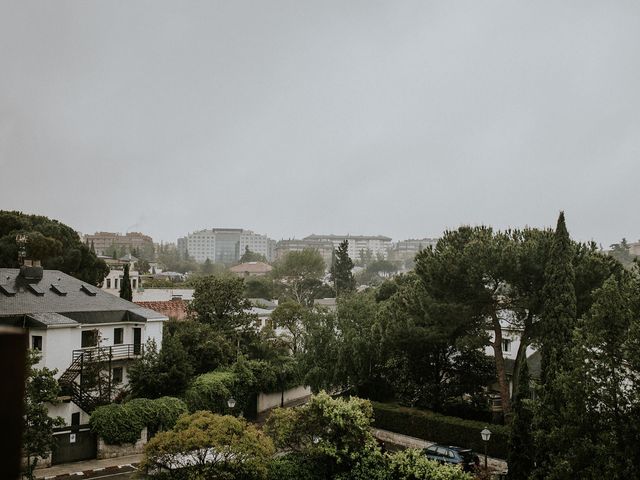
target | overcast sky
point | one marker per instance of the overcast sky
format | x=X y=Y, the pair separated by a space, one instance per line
x=295 y=117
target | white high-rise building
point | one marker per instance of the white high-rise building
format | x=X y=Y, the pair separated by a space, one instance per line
x=378 y=245
x=225 y=245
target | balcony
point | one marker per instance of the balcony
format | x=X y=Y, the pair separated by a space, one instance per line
x=125 y=351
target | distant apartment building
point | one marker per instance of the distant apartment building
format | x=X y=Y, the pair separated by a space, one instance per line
x=378 y=245
x=103 y=242
x=323 y=247
x=405 y=250
x=225 y=245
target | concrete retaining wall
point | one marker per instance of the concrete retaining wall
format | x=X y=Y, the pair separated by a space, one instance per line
x=112 y=451
x=267 y=401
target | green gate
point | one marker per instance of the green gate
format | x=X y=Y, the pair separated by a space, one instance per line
x=73 y=444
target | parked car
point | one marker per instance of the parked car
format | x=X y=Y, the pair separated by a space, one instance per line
x=455 y=455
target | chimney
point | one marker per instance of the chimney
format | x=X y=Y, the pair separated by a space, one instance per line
x=31 y=270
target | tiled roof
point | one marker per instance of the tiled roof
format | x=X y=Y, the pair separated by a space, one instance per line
x=71 y=298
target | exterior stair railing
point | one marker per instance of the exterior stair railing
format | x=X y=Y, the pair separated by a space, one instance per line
x=71 y=381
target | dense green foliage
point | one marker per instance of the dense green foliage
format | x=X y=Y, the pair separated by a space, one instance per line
x=220 y=302
x=341 y=274
x=56 y=245
x=156 y=374
x=206 y=445
x=249 y=256
x=122 y=423
x=299 y=275
x=440 y=428
x=41 y=388
x=125 y=285
x=521 y=457
x=333 y=437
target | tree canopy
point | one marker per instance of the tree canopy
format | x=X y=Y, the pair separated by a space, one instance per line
x=56 y=245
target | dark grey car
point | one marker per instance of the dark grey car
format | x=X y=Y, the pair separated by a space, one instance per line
x=455 y=455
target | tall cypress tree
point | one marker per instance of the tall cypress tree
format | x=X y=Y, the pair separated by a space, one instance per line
x=125 y=285
x=557 y=323
x=521 y=446
x=341 y=270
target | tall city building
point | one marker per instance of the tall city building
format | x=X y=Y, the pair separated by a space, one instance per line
x=378 y=244
x=104 y=242
x=405 y=250
x=225 y=245
x=323 y=247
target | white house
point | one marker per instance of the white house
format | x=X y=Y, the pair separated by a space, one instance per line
x=75 y=324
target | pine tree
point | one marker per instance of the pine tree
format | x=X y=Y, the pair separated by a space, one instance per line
x=125 y=285
x=559 y=297
x=341 y=270
x=521 y=446
x=557 y=323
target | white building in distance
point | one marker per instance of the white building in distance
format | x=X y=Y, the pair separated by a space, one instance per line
x=225 y=245
x=379 y=245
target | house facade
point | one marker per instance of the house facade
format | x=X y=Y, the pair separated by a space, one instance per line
x=89 y=336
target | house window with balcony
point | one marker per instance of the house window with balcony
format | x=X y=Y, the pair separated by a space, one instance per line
x=36 y=342
x=506 y=345
x=89 y=338
x=118 y=336
x=116 y=376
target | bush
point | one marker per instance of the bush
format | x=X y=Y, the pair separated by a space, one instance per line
x=122 y=423
x=294 y=466
x=438 y=428
x=116 y=424
x=210 y=391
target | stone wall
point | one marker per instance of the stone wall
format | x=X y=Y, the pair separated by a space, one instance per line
x=267 y=401
x=112 y=451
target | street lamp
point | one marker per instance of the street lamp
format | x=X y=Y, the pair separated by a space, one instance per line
x=486 y=435
x=231 y=402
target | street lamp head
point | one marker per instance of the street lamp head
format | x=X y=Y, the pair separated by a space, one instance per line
x=486 y=434
x=231 y=402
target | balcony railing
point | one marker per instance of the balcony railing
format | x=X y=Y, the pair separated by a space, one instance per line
x=113 y=352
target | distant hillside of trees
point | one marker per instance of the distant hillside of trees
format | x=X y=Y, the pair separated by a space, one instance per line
x=55 y=244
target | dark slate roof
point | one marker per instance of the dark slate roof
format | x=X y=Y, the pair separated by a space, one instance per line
x=77 y=305
x=49 y=318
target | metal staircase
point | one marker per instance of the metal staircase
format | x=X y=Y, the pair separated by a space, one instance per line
x=71 y=381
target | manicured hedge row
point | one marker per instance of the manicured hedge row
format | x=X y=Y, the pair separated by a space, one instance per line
x=440 y=428
x=122 y=423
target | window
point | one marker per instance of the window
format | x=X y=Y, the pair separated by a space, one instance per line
x=115 y=283
x=36 y=342
x=89 y=338
x=75 y=419
x=108 y=283
x=133 y=283
x=506 y=345
x=118 y=334
x=117 y=375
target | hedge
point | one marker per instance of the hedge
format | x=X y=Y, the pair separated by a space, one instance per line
x=122 y=423
x=439 y=428
x=210 y=391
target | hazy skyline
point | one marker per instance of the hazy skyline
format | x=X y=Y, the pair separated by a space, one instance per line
x=290 y=118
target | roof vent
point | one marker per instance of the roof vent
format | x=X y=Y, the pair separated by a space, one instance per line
x=7 y=290
x=88 y=291
x=35 y=289
x=58 y=289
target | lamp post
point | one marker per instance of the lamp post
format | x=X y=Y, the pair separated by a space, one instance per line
x=231 y=403
x=486 y=435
